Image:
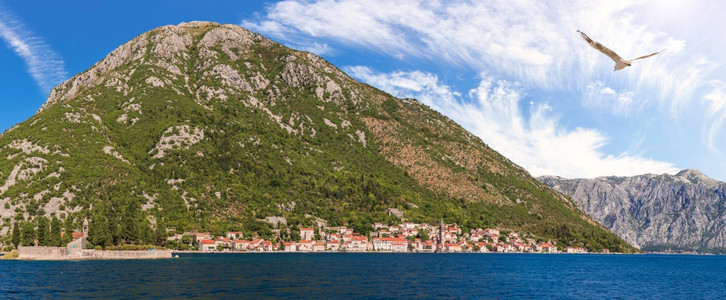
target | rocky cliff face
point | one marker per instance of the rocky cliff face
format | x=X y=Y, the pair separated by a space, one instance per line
x=212 y=127
x=655 y=212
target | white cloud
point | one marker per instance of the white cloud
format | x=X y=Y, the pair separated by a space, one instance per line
x=717 y=97
x=493 y=112
x=597 y=96
x=43 y=64
x=534 y=44
x=716 y=101
x=607 y=91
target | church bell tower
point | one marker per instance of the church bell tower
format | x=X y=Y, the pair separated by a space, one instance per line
x=85 y=228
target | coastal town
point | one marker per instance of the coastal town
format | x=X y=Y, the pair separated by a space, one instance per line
x=404 y=237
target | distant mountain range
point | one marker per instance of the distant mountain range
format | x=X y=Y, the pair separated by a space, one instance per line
x=211 y=127
x=682 y=212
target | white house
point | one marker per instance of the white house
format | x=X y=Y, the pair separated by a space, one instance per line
x=290 y=247
x=305 y=246
x=390 y=244
x=207 y=245
x=307 y=234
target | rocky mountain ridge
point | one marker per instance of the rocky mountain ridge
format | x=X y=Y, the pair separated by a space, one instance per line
x=202 y=126
x=682 y=212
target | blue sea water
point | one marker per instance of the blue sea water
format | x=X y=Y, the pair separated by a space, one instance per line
x=373 y=275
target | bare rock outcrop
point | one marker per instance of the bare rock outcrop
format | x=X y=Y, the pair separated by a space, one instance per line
x=686 y=211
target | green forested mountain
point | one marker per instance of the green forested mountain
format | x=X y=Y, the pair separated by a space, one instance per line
x=211 y=127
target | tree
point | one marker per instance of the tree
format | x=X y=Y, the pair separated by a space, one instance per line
x=43 y=231
x=128 y=231
x=187 y=239
x=99 y=232
x=55 y=232
x=160 y=234
x=28 y=233
x=68 y=226
x=295 y=236
x=144 y=231
x=423 y=235
x=317 y=234
x=16 y=235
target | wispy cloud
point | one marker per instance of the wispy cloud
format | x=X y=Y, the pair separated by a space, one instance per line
x=533 y=44
x=600 y=97
x=43 y=64
x=717 y=114
x=534 y=139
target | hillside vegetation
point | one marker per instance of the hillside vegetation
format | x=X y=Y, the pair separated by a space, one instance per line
x=211 y=127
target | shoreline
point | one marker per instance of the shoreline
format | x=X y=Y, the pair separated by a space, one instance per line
x=375 y=252
x=145 y=254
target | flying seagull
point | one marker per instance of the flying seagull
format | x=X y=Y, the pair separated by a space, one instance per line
x=620 y=63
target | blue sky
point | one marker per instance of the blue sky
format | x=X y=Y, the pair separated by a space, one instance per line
x=513 y=72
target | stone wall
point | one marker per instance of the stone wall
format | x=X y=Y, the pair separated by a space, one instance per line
x=63 y=253
x=45 y=253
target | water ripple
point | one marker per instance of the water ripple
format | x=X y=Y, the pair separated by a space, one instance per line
x=373 y=276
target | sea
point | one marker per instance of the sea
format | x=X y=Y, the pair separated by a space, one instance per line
x=372 y=276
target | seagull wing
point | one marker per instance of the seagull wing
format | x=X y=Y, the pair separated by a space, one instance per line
x=599 y=47
x=646 y=56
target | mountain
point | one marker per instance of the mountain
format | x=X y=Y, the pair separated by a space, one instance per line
x=203 y=126
x=682 y=212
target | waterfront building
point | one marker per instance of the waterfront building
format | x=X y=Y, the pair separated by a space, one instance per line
x=290 y=247
x=575 y=250
x=357 y=244
x=240 y=245
x=207 y=245
x=318 y=246
x=305 y=245
x=546 y=247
